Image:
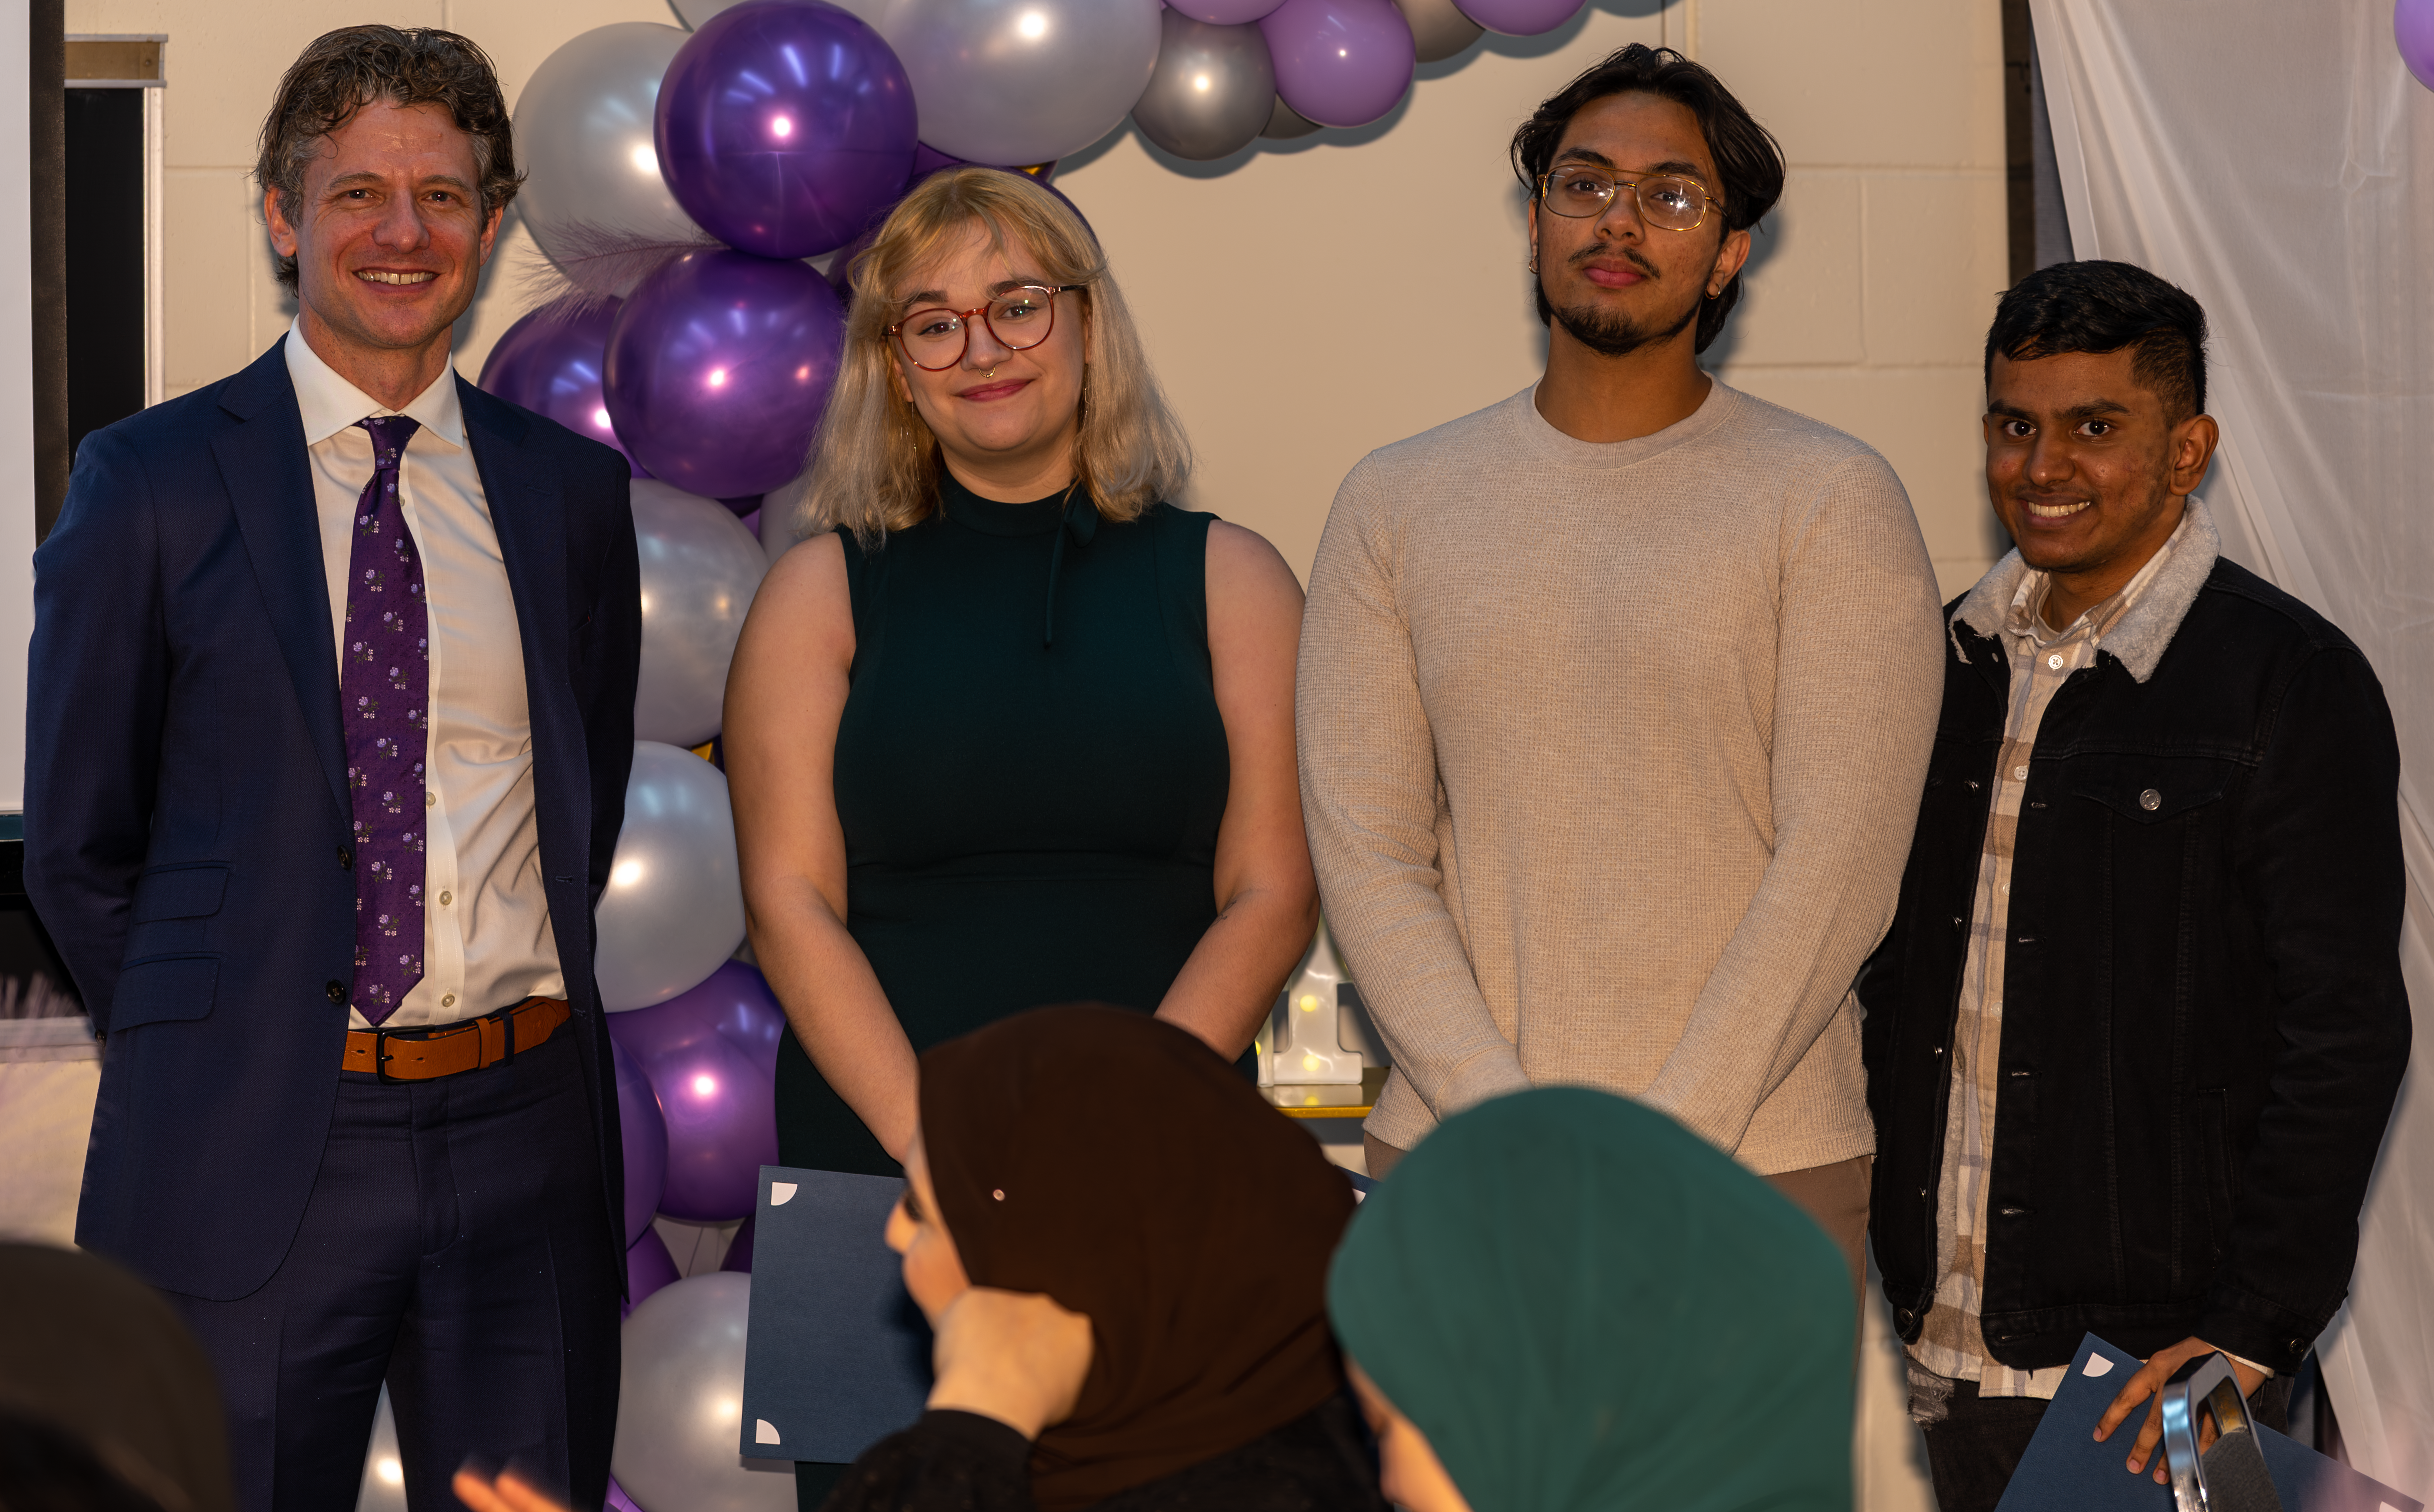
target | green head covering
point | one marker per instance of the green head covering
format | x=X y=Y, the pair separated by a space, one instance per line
x=1584 y=1306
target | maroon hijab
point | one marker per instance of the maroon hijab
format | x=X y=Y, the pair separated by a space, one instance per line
x=1115 y=1163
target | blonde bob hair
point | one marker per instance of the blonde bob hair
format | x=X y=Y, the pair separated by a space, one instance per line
x=875 y=462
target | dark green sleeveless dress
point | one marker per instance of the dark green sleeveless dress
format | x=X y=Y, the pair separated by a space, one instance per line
x=1030 y=772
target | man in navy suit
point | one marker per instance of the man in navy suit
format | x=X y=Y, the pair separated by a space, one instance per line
x=330 y=720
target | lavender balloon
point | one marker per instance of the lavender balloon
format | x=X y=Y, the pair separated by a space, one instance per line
x=1520 y=18
x=645 y=1139
x=550 y=362
x=782 y=125
x=1340 y=63
x=718 y=368
x=2413 y=32
x=648 y=1267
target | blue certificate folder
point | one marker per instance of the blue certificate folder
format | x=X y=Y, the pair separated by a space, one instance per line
x=836 y=1357
x=2066 y=1469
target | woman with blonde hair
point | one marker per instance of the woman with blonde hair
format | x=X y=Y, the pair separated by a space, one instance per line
x=1007 y=727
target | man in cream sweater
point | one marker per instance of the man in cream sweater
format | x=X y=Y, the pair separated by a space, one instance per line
x=1615 y=697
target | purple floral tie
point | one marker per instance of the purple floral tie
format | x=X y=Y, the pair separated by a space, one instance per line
x=386 y=693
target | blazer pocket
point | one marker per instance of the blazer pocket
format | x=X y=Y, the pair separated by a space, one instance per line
x=164 y=988
x=178 y=892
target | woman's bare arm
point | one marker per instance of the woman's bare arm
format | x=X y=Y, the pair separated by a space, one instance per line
x=785 y=695
x=1267 y=900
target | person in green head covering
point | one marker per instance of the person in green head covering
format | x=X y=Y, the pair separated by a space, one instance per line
x=1564 y=1301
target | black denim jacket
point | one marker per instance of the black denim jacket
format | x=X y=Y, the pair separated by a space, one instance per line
x=2204 y=1020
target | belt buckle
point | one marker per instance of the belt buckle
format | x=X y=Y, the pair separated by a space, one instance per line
x=381 y=1058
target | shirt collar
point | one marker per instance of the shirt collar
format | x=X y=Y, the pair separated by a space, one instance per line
x=330 y=403
x=2164 y=591
x=2026 y=613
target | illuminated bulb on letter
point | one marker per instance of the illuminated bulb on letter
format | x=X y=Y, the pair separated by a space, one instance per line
x=600 y=417
x=389 y=1471
x=718 y=377
x=625 y=874
x=781 y=126
x=1033 y=26
x=1200 y=82
x=1309 y=1003
x=1309 y=1062
x=705 y=1084
x=645 y=160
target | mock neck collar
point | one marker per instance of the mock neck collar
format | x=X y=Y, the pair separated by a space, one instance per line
x=1036 y=517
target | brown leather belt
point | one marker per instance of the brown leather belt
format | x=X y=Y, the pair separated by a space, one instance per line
x=413 y=1055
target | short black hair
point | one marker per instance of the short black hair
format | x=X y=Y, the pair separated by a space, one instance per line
x=2097 y=306
x=1748 y=159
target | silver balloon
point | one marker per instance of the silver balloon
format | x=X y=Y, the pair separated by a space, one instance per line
x=673 y=907
x=1015 y=82
x=1211 y=91
x=778 y=508
x=700 y=568
x=583 y=127
x=693 y=13
x=680 y=1404
x=1285 y=123
x=384 y=1487
x=1438 y=30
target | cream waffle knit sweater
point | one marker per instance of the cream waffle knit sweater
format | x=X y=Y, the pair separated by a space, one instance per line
x=1610 y=756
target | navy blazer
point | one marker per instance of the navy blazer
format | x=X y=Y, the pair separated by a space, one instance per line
x=186 y=810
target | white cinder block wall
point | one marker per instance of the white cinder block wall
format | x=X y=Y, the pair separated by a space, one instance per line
x=1336 y=293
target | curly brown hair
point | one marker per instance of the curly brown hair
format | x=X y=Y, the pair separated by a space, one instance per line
x=345 y=70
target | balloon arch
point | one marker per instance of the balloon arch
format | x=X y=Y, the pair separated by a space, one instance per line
x=675 y=176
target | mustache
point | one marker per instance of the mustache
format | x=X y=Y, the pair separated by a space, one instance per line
x=1629 y=254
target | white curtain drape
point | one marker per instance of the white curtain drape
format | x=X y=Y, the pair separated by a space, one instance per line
x=2277 y=161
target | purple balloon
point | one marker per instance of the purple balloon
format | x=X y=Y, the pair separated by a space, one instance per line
x=1520 y=18
x=550 y=362
x=1340 y=63
x=782 y=125
x=618 y=1499
x=733 y=1002
x=718 y=368
x=739 y=1250
x=2413 y=32
x=645 y=1141
x=648 y=1267
x=1224 y=13
x=711 y=1054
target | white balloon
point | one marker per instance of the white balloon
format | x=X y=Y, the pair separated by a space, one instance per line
x=583 y=129
x=384 y=1487
x=1015 y=82
x=701 y=569
x=693 y=13
x=673 y=907
x=778 y=507
x=680 y=1401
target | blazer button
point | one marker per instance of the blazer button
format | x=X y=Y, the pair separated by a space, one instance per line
x=2150 y=800
x=1902 y=1317
x=337 y=991
x=347 y=857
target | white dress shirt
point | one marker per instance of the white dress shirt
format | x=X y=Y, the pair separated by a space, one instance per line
x=487 y=937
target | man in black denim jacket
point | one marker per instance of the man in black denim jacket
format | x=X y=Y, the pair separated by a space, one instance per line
x=2134 y=1034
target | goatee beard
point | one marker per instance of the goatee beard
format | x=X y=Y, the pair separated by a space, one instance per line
x=1615 y=335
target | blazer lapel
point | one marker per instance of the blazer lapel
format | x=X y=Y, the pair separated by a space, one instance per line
x=527 y=510
x=270 y=486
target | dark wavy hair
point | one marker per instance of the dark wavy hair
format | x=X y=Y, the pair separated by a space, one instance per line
x=345 y=70
x=2097 y=306
x=1747 y=157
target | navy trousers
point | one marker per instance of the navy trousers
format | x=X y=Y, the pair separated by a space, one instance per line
x=456 y=1245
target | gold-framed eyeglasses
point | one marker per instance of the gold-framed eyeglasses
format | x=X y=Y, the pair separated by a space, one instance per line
x=1667 y=199
x=934 y=338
